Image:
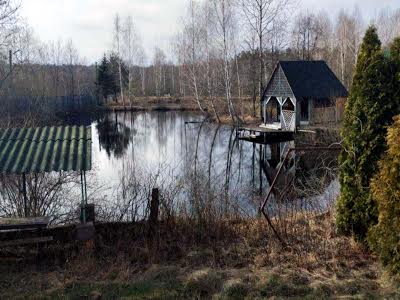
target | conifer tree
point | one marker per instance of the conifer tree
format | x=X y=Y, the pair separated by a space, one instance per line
x=395 y=57
x=395 y=50
x=104 y=79
x=384 y=238
x=369 y=110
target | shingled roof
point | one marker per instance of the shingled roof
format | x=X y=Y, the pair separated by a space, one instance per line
x=310 y=79
x=47 y=149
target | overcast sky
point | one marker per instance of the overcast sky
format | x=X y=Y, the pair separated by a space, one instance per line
x=89 y=22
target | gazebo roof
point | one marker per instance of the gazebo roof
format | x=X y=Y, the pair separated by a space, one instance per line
x=46 y=149
x=310 y=79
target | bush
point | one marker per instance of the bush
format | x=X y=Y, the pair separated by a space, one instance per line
x=371 y=106
x=384 y=238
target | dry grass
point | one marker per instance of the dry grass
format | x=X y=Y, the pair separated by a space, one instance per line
x=234 y=260
x=243 y=106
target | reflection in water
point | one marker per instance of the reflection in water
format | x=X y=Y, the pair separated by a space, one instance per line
x=113 y=136
x=200 y=167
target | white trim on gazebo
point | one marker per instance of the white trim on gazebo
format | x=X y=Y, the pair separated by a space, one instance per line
x=287 y=117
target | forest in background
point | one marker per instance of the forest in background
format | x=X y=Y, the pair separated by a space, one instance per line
x=228 y=49
x=224 y=49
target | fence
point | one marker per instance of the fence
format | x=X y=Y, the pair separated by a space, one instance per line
x=329 y=114
x=48 y=104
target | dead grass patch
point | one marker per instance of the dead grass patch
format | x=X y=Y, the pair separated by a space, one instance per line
x=234 y=260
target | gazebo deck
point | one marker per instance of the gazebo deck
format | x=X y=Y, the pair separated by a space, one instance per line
x=257 y=129
x=262 y=135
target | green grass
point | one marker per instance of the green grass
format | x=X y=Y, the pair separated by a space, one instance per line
x=137 y=290
x=175 y=283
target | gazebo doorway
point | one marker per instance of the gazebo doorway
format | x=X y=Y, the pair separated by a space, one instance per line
x=305 y=110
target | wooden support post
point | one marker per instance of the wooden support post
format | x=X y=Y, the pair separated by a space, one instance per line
x=153 y=219
x=85 y=184
x=153 y=239
x=261 y=178
x=83 y=202
x=25 y=196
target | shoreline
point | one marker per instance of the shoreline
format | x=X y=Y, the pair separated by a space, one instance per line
x=241 y=260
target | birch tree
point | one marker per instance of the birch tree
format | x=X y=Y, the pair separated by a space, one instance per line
x=308 y=32
x=158 y=65
x=191 y=44
x=348 y=35
x=388 y=24
x=141 y=60
x=207 y=40
x=117 y=40
x=130 y=44
x=224 y=29
x=260 y=16
x=71 y=60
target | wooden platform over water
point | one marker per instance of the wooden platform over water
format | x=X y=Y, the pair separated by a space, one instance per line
x=256 y=128
x=260 y=135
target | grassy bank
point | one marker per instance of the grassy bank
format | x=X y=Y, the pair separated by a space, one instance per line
x=244 y=107
x=224 y=260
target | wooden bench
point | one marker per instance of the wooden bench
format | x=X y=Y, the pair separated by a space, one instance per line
x=26 y=226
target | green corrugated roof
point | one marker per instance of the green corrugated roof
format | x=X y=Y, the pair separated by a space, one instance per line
x=46 y=149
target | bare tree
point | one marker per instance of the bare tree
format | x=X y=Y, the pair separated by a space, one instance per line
x=307 y=31
x=388 y=24
x=55 y=58
x=224 y=29
x=191 y=49
x=141 y=60
x=159 y=65
x=260 y=16
x=71 y=60
x=131 y=40
x=117 y=40
x=207 y=40
x=348 y=34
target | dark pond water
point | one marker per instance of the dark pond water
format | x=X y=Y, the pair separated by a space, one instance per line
x=197 y=165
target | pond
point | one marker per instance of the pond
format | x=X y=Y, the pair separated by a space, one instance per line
x=202 y=170
x=198 y=166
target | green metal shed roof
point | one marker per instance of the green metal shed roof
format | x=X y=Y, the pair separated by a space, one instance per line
x=46 y=149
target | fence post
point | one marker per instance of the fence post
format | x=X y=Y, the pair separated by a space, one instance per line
x=154 y=207
x=153 y=240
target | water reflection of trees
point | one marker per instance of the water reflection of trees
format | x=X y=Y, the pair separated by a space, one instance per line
x=204 y=170
x=304 y=174
x=114 y=135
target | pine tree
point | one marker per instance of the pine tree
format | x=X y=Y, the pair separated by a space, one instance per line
x=384 y=238
x=395 y=50
x=104 y=79
x=369 y=110
x=395 y=57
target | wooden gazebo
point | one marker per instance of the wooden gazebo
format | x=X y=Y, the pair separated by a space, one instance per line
x=302 y=93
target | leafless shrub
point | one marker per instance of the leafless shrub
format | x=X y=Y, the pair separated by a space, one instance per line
x=132 y=197
x=305 y=195
x=47 y=195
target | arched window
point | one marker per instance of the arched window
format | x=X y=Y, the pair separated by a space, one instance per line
x=288 y=105
x=273 y=111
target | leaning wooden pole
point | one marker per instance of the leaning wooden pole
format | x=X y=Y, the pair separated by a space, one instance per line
x=83 y=206
x=25 y=195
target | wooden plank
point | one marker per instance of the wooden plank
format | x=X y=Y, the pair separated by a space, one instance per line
x=259 y=129
x=36 y=220
x=23 y=223
x=27 y=241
